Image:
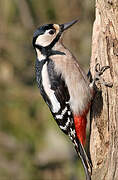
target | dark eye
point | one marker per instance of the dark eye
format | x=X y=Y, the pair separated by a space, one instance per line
x=52 y=31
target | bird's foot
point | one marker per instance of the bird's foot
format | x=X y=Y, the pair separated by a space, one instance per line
x=98 y=72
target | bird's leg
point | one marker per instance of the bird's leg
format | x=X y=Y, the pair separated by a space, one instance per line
x=98 y=72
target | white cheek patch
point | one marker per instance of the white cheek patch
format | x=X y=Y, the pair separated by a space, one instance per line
x=44 y=39
x=46 y=84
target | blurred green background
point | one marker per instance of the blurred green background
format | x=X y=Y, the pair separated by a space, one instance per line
x=31 y=145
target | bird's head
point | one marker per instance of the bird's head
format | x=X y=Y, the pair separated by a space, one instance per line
x=49 y=34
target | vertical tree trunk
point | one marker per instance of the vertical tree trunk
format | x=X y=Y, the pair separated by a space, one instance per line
x=104 y=113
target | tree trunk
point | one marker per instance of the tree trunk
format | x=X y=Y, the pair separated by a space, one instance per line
x=104 y=111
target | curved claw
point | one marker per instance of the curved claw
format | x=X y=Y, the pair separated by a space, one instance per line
x=97 y=67
x=104 y=68
x=99 y=71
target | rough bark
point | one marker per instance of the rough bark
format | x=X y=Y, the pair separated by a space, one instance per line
x=104 y=112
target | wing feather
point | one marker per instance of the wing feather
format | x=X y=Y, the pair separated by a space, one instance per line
x=58 y=84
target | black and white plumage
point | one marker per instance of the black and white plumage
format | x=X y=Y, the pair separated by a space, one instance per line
x=62 y=83
x=55 y=93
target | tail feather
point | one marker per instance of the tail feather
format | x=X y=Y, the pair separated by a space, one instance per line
x=84 y=158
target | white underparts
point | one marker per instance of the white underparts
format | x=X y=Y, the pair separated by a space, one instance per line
x=46 y=85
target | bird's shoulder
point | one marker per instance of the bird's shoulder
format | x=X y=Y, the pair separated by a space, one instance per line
x=57 y=84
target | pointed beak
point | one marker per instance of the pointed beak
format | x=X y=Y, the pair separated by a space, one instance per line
x=68 y=25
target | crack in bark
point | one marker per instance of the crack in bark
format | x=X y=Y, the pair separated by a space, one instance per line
x=108 y=108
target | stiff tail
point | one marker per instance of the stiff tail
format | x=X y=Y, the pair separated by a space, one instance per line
x=84 y=158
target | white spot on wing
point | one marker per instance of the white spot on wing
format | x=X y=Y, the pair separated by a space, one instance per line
x=70 y=137
x=68 y=122
x=64 y=110
x=66 y=125
x=75 y=143
x=69 y=113
x=49 y=92
x=60 y=116
x=73 y=132
x=63 y=127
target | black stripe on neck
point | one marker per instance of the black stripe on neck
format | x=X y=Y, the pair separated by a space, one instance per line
x=46 y=51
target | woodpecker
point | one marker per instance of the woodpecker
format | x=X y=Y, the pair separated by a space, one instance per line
x=64 y=86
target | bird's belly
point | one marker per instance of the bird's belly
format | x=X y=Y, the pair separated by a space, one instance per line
x=80 y=99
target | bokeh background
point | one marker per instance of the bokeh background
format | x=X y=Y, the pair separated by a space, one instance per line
x=31 y=145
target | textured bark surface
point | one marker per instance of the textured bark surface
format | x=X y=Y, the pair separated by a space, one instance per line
x=104 y=113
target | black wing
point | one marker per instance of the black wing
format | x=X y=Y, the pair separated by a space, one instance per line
x=64 y=116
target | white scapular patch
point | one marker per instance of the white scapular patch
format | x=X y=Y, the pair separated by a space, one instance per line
x=46 y=84
x=66 y=125
x=55 y=103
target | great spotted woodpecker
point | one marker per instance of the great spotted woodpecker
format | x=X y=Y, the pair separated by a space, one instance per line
x=64 y=85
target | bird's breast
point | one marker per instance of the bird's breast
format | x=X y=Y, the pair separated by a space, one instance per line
x=76 y=81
